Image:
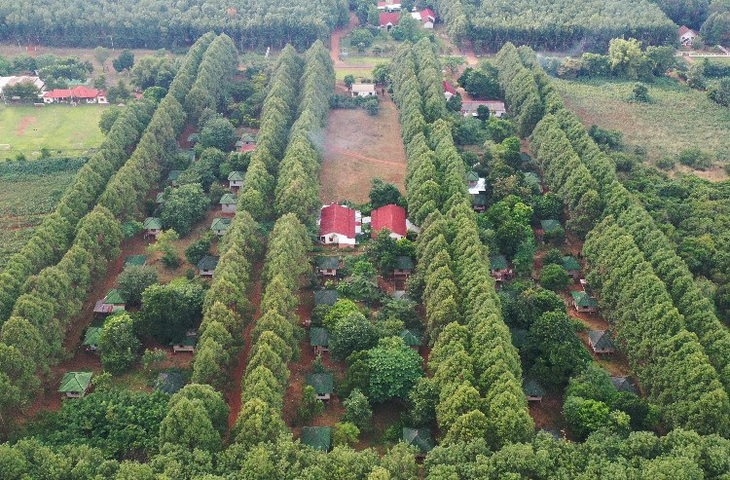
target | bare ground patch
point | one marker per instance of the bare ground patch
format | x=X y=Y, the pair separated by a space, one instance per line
x=359 y=148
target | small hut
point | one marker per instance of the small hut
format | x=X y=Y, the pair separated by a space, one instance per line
x=75 y=384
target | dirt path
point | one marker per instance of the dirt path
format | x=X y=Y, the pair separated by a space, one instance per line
x=337 y=37
x=359 y=148
x=233 y=393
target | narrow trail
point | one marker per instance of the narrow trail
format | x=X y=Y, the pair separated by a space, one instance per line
x=350 y=153
x=233 y=393
x=336 y=38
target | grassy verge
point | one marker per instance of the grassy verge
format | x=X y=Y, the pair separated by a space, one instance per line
x=65 y=130
x=678 y=117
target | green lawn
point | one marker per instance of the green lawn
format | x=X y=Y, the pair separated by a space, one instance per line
x=70 y=130
x=358 y=73
x=678 y=117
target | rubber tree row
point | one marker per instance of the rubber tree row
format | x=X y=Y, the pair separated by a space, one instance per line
x=53 y=237
x=480 y=389
x=33 y=338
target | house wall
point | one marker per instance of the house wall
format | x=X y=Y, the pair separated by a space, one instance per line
x=235 y=184
x=336 y=238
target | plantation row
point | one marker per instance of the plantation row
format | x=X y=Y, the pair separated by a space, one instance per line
x=227 y=309
x=33 y=337
x=53 y=237
x=158 y=23
x=479 y=389
x=555 y=25
x=641 y=279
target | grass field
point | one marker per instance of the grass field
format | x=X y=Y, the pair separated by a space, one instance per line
x=677 y=118
x=25 y=199
x=65 y=130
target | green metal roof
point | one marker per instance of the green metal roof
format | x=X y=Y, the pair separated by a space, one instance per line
x=170 y=382
x=583 y=300
x=185 y=341
x=328 y=263
x=323 y=383
x=403 y=262
x=532 y=179
x=472 y=176
x=152 y=223
x=75 y=382
x=235 y=176
x=601 y=339
x=319 y=438
x=532 y=388
x=326 y=297
x=625 y=384
x=498 y=262
x=248 y=138
x=412 y=338
x=479 y=200
x=571 y=264
x=208 y=262
x=138 y=260
x=419 y=438
x=220 y=224
x=228 y=199
x=114 y=297
x=550 y=225
x=91 y=339
x=319 y=337
x=160 y=198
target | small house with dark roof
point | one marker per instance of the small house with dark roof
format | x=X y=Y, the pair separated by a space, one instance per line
x=323 y=383
x=207 y=265
x=479 y=202
x=91 y=339
x=220 y=226
x=533 y=390
x=235 y=180
x=583 y=302
x=419 y=438
x=625 y=384
x=404 y=266
x=601 y=341
x=184 y=344
x=245 y=143
x=328 y=266
x=135 y=261
x=548 y=227
x=472 y=178
x=391 y=217
x=572 y=266
x=499 y=268
x=160 y=198
x=152 y=227
x=75 y=384
x=173 y=176
x=412 y=338
x=228 y=203
x=318 y=438
x=170 y=382
x=532 y=180
x=112 y=302
x=319 y=339
x=326 y=297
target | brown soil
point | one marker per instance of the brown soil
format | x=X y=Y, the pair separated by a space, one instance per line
x=548 y=413
x=336 y=38
x=359 y=148
x=26 y=122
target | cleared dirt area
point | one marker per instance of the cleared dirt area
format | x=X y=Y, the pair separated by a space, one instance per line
x=359 y=148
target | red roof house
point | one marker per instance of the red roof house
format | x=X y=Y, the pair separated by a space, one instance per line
x=686 y=36
x=389 y=19
x=338 y=224
x=391 y=217
x=76 y=94
x=449 y=90
x=428 y=14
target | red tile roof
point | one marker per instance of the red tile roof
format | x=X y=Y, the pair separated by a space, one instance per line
x=337 y=219
x=391 y=217
x=389 y=18
x=449 y=88
x=248 y=148
x=77 y=92
x=428 y=14
x=684 y=29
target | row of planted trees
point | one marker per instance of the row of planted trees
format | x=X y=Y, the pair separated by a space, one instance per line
x=33 y=338
x=646 y=289
x=54 y=236
x=479 y=390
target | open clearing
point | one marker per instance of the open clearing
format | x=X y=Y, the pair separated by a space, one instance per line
x=359 y=148
x=65 y=130
x=21 y=212
x=677 y=119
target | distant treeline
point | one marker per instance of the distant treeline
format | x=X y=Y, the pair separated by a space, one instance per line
x=161 y=23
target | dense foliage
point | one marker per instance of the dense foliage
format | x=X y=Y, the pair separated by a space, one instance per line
x=156 y=24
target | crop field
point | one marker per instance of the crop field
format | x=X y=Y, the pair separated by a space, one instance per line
x=63 y=129
x=27 y=194
x=677 y=118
